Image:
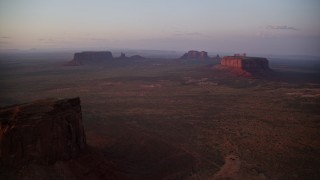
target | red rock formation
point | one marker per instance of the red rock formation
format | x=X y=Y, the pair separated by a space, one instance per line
x=41 y=132
x=252 y=65
x=91 y=57
x=195 y=55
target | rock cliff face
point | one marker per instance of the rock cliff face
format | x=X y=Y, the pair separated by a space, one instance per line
x=41 y=132
x=195 y=55
x=91 y=57
x=252 y=65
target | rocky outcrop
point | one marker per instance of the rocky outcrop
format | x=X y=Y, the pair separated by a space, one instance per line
x=251 y=65
x=136 y=57
x=124 y=57
x=41 y=132
x=195 y=55
x=91 y=57
x=217 y=58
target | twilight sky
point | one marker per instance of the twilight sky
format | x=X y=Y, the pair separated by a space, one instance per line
x=252 y=26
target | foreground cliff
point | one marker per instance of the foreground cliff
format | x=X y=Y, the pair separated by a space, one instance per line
x=41 y=132
x=246 y=65
x=45 y=140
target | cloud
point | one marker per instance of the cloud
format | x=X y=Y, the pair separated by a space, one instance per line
x=5 y=40
x=52 y=40
x=47 y=40
x=284 y=27
x=192 y=35
x=179 y=33
x=97 y=39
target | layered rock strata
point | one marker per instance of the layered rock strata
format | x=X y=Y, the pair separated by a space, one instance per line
x=251 y=65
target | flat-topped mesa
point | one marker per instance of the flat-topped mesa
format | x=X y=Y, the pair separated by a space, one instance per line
x=252 y=65
x=41 y=132
x=195 y=55
x=91 y=57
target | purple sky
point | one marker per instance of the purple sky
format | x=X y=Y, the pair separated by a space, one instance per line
x=252 y=26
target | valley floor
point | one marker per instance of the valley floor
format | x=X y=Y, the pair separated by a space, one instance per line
x=184 y=120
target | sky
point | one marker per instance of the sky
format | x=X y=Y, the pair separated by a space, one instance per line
x=284 y=27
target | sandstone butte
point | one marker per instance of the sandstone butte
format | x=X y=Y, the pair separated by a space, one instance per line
x=90 y=57
x=246 y=65
x=195 y=55
x=97 y=57
x=41 y=132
